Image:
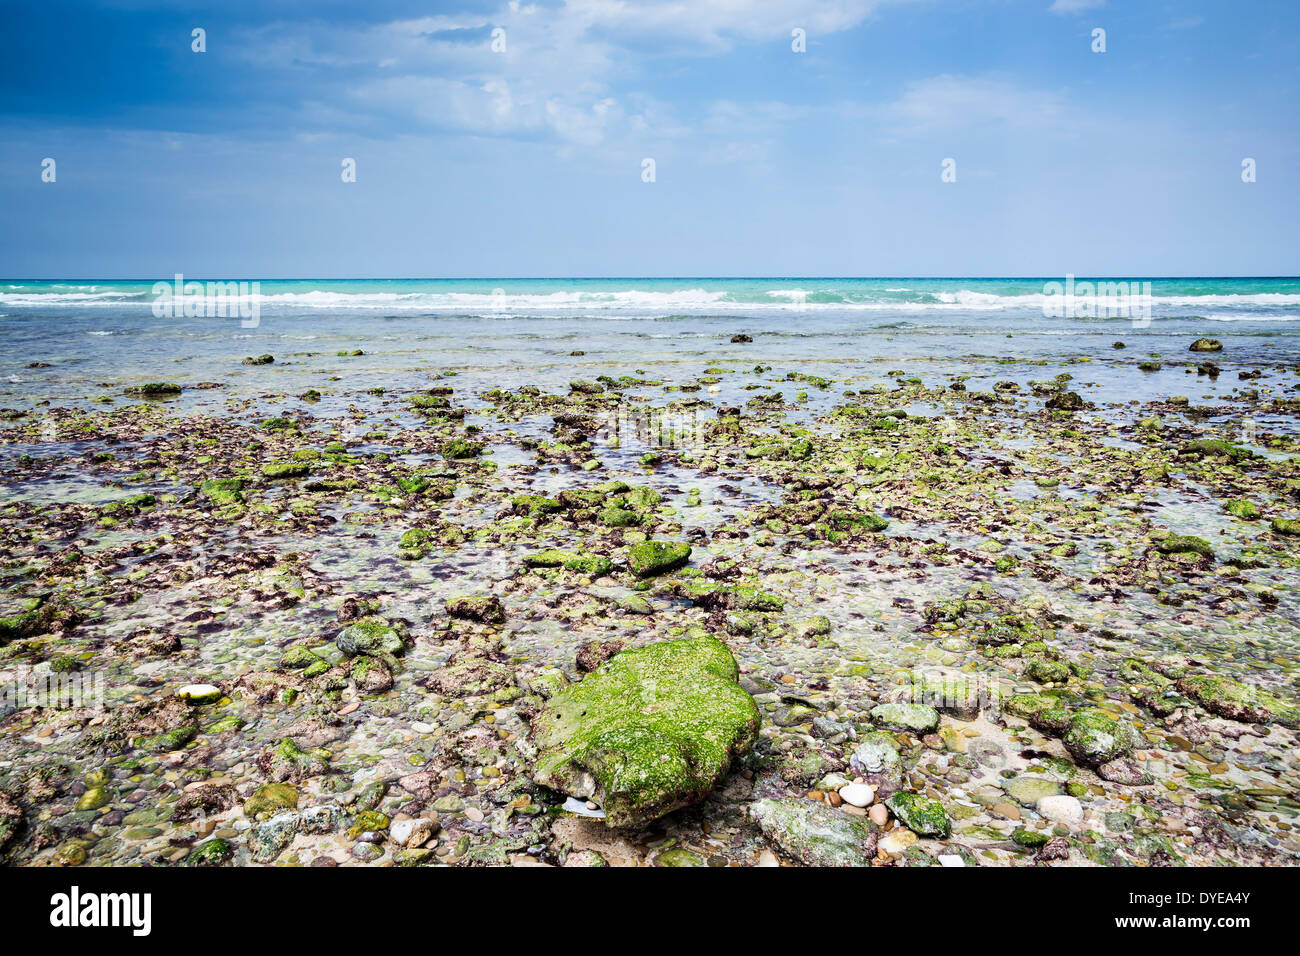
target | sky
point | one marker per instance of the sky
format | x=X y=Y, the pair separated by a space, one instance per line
x=507 y=139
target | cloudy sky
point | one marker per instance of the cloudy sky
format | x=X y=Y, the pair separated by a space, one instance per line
x=528 y=161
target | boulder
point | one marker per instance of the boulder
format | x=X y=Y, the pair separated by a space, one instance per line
x=814 y=834
x=649 y=731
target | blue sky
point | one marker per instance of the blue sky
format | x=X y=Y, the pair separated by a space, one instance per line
x=528 y=162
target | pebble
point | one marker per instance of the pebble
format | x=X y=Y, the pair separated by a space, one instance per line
x=199 y=693
x=1062 y=810
x=474 y=814
x=857 y=794
x=879 y=814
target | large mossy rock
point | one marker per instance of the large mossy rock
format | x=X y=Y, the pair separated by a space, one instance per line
x=651 y=730
x=657 y=557
x=1095 y=738
x=814 y=834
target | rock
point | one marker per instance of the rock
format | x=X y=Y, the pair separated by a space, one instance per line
x=484 y=608
x=657 y=557
x=651 y=730
x=814 y=834
x=1124 y=771
x=918 y=718
x=199 y=693
x=740 y=338
x=1065 y=402
x=877 y=754
x=267 y=800
x=922 y=815
x=1027 y=791
x=635 y=604
x=212 y=853
x=1206 y=345
x=594 y=653
x=370 y=635
x=878 y=814
x=857 y=794
x=1095 y=737
x=1237 y=701
x=1062 y=810
x=94 y=798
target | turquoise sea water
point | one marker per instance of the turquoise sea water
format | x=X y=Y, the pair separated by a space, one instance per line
x=493 y=331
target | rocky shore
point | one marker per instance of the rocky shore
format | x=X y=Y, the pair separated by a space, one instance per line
x=881 y=619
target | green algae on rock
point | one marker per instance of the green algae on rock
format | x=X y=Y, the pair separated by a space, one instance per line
x=650 y=558
x=918 y=718
x=1095 y=738
x=650 y=731
x=924 y=816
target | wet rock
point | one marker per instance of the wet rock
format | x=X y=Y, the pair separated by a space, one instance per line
x=370 y=635
x=918 y=718
x=877 y=754
x=594 y=653
x=651 y=730
x=1062 y=810
x=483 y=608
x=657 y=557
x=814 y=834
x=924 y=816
x=1206 y=345
x=1095 y=737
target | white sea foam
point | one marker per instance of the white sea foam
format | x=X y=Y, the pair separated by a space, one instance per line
x=684 y=301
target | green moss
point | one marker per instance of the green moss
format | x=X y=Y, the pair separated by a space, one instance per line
x=370 y=635
x=461 y=448
x=210 y=853
x=1285 y=526
x=1047 y=672
x=534 y=506
x=270 y=799
x=1237 y=701
x=278 y=470
x=223 y=491
x=1216 y=448
x=171 y=740
x=1185 y=544
x=657 y=557
x=616 y=516
x=1242 y=508
x=649 y=731
x=1094 y=737
x=922 y=815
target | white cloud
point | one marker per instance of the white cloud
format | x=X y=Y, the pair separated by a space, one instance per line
x=1074 y=6
x=954 y=102
x=562 y=68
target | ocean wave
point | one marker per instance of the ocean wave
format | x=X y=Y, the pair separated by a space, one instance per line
x=686 y=302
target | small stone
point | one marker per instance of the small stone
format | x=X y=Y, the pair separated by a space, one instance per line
x=1060 y=809
x=879 y=814
x=474 y=814
x=857 y=794
x=199 y=693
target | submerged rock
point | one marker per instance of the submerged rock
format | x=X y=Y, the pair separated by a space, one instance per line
x=651 y=730
x=814 y=834
x=918 y=718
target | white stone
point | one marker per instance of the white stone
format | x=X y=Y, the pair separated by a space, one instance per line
x=857 y=794
x=1066 y=811
x=400 y=831
x=948 y=859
